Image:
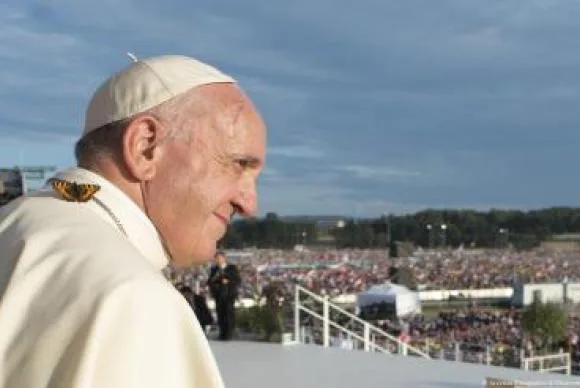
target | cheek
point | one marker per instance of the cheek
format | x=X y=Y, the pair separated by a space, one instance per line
x=182 y=178
x=171 y=194
x=208 y=197
x=188 y=201
x=194 y=199
x=162 y=201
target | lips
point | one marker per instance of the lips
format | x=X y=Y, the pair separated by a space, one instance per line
x=223 y=219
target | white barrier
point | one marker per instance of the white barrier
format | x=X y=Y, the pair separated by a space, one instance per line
x=424 y=296
x=524 y=294
x=443 y=295
x=485 y=293
x=545 y=363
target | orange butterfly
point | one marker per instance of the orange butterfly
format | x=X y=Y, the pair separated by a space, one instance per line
x=74 y=192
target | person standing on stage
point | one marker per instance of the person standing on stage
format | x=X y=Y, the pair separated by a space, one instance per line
x=224 y=282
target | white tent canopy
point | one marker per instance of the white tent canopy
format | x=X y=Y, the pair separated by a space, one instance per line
x=405 y=301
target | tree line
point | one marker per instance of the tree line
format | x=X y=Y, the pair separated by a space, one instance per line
x=428 y=228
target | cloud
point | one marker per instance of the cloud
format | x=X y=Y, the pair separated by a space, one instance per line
x=396 y=103
x=305 y=198
x=296 y=151
x=15 y=44
x=38 y=138
x=329 y=199
x=379 y=172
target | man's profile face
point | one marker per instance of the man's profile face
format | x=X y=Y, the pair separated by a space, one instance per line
x=202 y=183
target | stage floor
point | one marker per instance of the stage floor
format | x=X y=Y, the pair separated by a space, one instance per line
x=256 y=365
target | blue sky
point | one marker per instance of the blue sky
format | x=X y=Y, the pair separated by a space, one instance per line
x=373 y=107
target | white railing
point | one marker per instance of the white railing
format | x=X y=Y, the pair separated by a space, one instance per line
x=370 y=333
x=563 y=362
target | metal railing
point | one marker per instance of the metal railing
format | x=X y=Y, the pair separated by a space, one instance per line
x=474 y=353
x=372 y=337
x=549 y=363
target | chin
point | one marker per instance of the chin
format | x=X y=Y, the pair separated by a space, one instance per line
x=204 y=253
x=199 y=256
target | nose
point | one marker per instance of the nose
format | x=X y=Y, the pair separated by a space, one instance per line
x=246 y=200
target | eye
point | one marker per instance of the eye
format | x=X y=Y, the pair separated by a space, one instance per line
x=244 y=163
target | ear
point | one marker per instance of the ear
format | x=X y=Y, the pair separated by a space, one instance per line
x=141 y=151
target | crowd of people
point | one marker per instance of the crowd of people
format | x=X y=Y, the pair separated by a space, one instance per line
x=474 y=334
x=482 y=336
x=350 y=271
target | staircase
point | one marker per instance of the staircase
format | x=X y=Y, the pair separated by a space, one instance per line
x=315 y=317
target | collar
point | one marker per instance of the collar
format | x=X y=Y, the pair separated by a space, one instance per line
x=138 y=227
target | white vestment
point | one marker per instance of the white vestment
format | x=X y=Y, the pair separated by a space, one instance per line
x=84 y=306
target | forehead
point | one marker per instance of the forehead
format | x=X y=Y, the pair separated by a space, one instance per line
x=237 y=125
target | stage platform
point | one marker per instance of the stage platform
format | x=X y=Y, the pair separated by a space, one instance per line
x=247 y=364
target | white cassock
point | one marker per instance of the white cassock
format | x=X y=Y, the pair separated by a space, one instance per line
x=85 y=305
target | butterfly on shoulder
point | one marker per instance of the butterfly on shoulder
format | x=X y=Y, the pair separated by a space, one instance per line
x=74 y=192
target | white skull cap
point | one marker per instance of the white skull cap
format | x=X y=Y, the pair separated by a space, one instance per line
x=145 y=84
